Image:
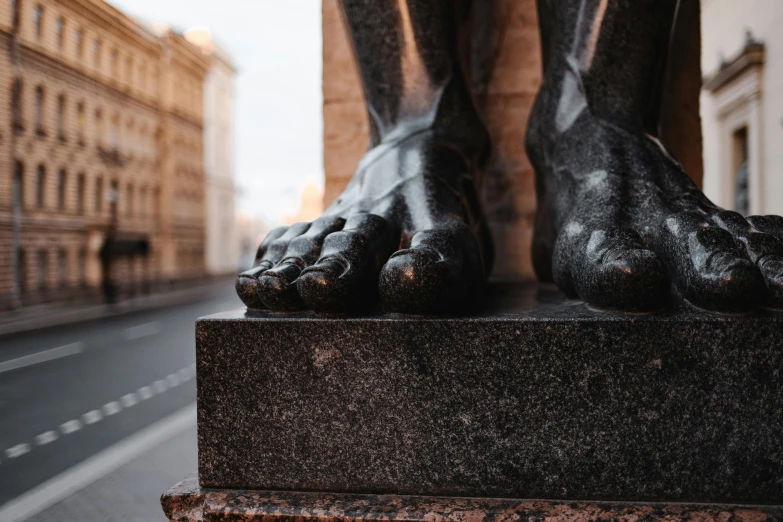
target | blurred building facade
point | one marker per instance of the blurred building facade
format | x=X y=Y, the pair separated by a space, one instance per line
x=742 y=104
x=222 y=240
x=101 y=168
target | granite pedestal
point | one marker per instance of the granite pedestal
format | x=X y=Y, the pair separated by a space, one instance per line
x=532 y=397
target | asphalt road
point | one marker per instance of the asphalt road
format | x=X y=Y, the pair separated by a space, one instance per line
x=69 y=392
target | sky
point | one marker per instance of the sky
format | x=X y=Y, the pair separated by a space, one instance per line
x=276 y=47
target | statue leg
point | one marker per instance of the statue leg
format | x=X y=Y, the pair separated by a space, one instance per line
x=620 y=223
x=408 y=227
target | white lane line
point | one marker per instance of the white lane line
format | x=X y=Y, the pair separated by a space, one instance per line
x=46 y=355
x=173 y=380
x=129 y=400
x=110 y=408
x=141 y=330
x=17 y=451
x=160 y=386
x=145 y=392
x=92 y=416
x=99 y=465
x=46 y=437
x=70 y=426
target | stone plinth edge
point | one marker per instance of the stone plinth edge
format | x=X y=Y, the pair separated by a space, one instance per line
x=186 y=501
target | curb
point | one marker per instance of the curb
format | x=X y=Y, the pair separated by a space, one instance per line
x=65 y=316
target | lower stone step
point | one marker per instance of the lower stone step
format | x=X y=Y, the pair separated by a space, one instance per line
x=188 y=502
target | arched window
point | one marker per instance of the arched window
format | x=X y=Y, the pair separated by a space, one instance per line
x=129 y=200
x=18 y=187
x=81 y=122
x=78 y=37
x=96 y=53
x=80 y=193
x=39 y=109
x=38 y=21
x=61 y=117
x=62 y=267
x=17 y=102
x=62 y=179
x=98 y=195
x=98 y=127
x=59 y=28
x=40 y=186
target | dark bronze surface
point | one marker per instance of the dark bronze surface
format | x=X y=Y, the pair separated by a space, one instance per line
x=619 y=223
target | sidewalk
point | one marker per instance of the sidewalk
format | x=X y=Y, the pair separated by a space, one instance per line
x=132 y=492
x=56 y=314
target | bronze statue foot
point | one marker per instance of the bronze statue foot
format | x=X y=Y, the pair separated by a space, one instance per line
x=625 y=225
x=407 y=228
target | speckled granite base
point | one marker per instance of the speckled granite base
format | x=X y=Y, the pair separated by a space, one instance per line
x=532 y=398
x=187 y=502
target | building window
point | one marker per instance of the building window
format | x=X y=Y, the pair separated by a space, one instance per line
x=143 y=201
x=18 y=187
x=59 y=28
x=114 y=197
x=96 y=53
x=61 y=186
x=98 y=195
x=115 y=56
x=141 y=80
x=82 y=267
x=129 y=70
x=40 y=186
x=21 y=271
x=129 y=201
x=17 y=104
x=127 y=143
x=80 y=194
x=98 y=127
x=61 y=117
x=62 y=267
x=39 y=109
x=78 y=37
x=741 y=176
x=80 y=122
x=15 y=13
x=43 y=261
x=114 y=132
x=38 y=21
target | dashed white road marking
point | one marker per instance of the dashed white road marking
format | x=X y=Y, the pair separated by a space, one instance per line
x=99 y=465
x=46 y=355
x=141 y=330
x=17 y=451
x=70 y=426
x=173 y=380
x=92 y=416
x=46 y=437
x=110 y=408
x=129 y=400
x=159 y=386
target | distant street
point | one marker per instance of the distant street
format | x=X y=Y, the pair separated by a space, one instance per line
x=69 y=392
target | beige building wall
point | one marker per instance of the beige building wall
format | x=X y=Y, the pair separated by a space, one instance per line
x=222 y=241
x=751 y=99
x=88 y=117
